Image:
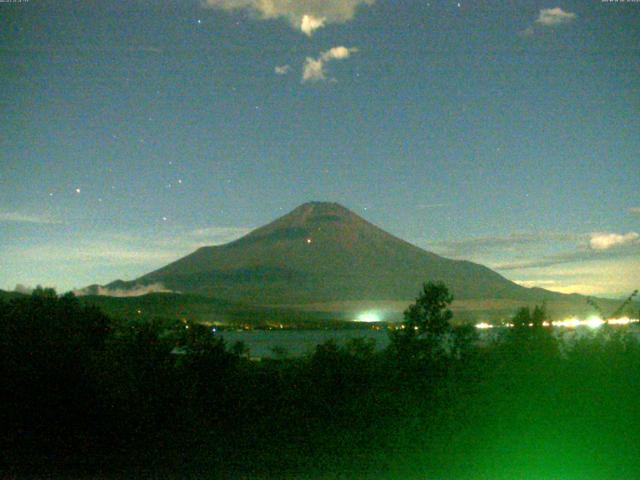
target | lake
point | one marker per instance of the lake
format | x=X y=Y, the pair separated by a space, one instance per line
x=298 y=342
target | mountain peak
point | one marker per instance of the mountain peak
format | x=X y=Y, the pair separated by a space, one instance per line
x=321 y=208
x=313 y=213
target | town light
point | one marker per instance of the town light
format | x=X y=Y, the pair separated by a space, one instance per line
x=368 y=317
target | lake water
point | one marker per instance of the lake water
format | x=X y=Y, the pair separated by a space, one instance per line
x=301 y=342
x=298 y=342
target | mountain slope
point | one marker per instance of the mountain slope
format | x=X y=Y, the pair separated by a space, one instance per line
x=323 y=252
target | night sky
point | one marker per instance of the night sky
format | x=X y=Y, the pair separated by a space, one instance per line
x=504 y=132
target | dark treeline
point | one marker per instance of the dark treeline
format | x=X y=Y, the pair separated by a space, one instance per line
x=83 y=394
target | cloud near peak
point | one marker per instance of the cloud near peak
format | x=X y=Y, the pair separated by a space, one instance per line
x=314 y=69
x=303 y=15
x=136 y=291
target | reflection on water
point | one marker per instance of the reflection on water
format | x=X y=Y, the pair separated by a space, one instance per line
x=294 y=343
x=298 y=342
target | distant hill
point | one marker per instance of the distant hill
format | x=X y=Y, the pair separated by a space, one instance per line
x=323 y=257
x=171 y=306
x=6 y=296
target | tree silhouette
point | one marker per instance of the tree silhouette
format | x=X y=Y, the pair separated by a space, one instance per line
x=430 y=314
x=426 y=323
x=521 y=319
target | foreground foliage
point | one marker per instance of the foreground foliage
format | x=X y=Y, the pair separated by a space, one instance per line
x=83 y=393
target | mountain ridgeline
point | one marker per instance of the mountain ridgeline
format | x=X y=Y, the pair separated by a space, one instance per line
x=322 y=253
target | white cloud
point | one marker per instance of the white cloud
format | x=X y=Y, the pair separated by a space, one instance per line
x=17 y=217
x=303 y=15
x=551 y=17
x=219 y=235
x=132 y=249
x=99 y=253
x=548 y=17
x=423 y=206
x=310 y=23
x=338 y=53
x=282 y=69
x=120 y=292
x=605 y=241
x=606 y=264
x=313 y=69
x=79 y=259
x=466 y=247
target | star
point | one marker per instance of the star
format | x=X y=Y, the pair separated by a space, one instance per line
x=78 y=190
